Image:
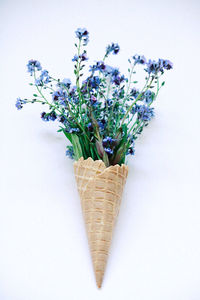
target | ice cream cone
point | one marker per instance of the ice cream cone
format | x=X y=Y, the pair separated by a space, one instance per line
x=100 y=190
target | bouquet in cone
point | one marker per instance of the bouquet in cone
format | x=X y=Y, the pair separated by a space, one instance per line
x=101 y=115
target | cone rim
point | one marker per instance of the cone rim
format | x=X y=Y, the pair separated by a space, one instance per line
x=112 y=167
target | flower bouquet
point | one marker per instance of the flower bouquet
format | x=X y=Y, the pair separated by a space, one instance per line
x=102 y=115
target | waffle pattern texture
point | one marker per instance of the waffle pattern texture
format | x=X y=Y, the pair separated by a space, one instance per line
x=100 y=190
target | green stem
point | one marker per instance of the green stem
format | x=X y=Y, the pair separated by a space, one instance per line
x=76 y=121
x=137 y=99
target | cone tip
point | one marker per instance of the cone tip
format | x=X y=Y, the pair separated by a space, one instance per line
x=99 y=285
x=99 y=280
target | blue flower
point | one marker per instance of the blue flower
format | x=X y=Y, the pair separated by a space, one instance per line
x=72 y=130
x=102 y=124
x=83 y=56
x=108 y=70
x=43 y=79
x=167 y=64
x=91 y=82
x=45 y=117
x=108 y=140
x=62 y=119
x=145 y=113
x=118 y=79
x=139 y=59
x=108 y=151
x=134 y=109
x=153 y=67
x=148 y=96
x=82 y=34
x=52 y=116
x=93 y=100
x=38 y=82
x=109 y=102
x=75 y=58
x=66 y=82
x=113 y=48
x=100 y=66
x=70 y=152
x=131 y=151
x=134 y=93
x=90 y=127
x=60 y=96
x=19 y=103
x=45 y=76
x=33 y=65
x=94 y=82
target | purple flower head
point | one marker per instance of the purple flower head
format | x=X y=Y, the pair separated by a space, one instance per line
x=110 y=70
x=115 y=72
x=93 y=100
x=134 y=109
x=108 y=151
x=90 y=127
x=131 y=151
x=43 y=79
x=33 y=65
x=62 y=119
x=153 y=67
x=82 y=34
x=38 y=82
x=118 y=79
x=139 y=59
x=75 y=58
x=92 y=82
x=70 y=152
x=73 y=130
x=113 y=48
x=60 y=96
x=109 y=102
x=19 y=103
x=45 y=117
x=101 y=124
x=100 y=66
x=134 y=93
x=148 y=96
x=52 y=116
x=66 y=82
x=145 y=113
x=167 y=64
x=83 y=56
x=107 y=141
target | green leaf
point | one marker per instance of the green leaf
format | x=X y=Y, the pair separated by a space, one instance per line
x=68 y=135
x=163 y=83
x=77 y=147
x=35 y=95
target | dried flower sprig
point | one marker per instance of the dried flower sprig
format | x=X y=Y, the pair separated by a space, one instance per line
x=103 y=114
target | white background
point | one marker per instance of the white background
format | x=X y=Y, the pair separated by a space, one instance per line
x=155 y=252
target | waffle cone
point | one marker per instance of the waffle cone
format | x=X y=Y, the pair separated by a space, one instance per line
x=100 y=190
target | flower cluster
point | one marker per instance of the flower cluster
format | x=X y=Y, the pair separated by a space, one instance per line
x=83 y=35
x=113 y=48
x=33 y=65
x=102 y=114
